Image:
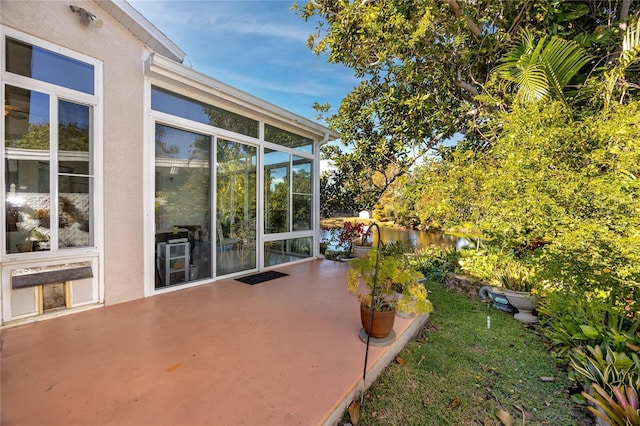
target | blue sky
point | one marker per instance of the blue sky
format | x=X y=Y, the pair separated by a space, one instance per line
x=256 y=46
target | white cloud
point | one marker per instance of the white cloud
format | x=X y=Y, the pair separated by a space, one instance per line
x=301 y=86
x=255 y=28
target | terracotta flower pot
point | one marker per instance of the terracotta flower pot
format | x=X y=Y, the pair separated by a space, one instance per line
x=382 y=322
x=524 y=302
x=24 y=247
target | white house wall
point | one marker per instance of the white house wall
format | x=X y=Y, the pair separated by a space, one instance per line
x=119 y=168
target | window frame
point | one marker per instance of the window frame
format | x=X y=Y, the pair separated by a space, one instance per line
x=59 y=93
x=291 y=152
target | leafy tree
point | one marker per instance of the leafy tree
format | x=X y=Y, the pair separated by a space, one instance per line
x=549 y=167
x=334 y=197
x=566 y=188
x=423 y=64
x=36 y=137
x=355 y=184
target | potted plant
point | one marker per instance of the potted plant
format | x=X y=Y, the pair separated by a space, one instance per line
x=362 y=244
x=518 y=281
x=349 y=233
x=387 y=273
x=28 y=233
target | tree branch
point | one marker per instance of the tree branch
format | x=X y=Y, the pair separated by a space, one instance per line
x=457 y=10
x=466 y=86
x=624 y=11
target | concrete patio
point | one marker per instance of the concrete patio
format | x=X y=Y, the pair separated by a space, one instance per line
x=283 y=352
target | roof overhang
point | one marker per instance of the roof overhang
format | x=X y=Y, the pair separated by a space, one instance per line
x=190 y=80
x=142 y=28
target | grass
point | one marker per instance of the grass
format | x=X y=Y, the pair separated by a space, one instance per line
x=457 y=371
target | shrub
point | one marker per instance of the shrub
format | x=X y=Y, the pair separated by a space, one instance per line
x=435 y=262
x=571 y=320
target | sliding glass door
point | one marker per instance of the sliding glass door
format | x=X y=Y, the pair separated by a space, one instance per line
x=236 y=178
x=188 y=240
x=182 y=206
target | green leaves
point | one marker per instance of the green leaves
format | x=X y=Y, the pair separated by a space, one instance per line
x=388 y=273
x=606 y=369
x=589 y=332
x=541 y=69
x=615 y=84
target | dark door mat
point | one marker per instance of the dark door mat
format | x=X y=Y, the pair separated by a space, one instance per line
x=261 y=277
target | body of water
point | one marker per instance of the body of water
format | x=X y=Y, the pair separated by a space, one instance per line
x=417 y=238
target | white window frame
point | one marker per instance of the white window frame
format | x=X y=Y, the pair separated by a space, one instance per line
x=291 y=234
x=55 y=93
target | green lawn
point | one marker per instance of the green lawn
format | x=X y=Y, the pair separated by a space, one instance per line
x=459 y=372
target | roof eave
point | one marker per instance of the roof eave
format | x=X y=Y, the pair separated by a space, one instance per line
x=142 y=28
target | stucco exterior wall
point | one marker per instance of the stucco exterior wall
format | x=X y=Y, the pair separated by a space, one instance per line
x=122 y=173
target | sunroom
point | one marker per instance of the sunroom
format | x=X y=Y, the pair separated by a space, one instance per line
x=259 y=205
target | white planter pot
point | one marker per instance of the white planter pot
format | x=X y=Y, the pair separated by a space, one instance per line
x=399 y=313
x=524 y=302
x=361 y=251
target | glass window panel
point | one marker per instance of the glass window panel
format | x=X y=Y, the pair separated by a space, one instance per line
x=26 y=115
x=183 y=199
x=284 y=251
x=273 y=157
x=45 y=65
x=288 y=139
x=301 y=193
x=302 y=178
x=74 y=212
x=223 y=119
x=276 y=190
x=74 y=182
x=73 y=138
x=301 y=212
x=27 y=161
x=181 y=106
x=236 y=178
x=301 y=247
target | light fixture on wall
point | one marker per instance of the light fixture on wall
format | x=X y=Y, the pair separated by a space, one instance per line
x=86 y=17
x=14 y=112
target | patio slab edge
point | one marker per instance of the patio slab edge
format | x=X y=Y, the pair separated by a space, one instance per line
x=334 y=416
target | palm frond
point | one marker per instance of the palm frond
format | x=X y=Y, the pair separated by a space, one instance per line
x=630 y=54
x=539 y=69
x=532 y=83
x=563 y=60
